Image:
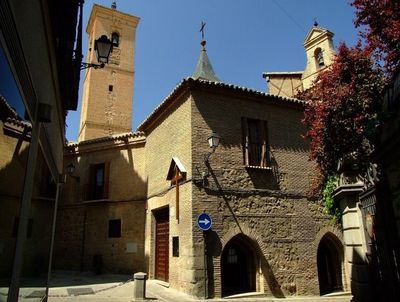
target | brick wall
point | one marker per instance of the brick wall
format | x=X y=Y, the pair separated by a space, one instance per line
x=281 y=224
x=168 y=137
x=107 y=112
x=82 y=224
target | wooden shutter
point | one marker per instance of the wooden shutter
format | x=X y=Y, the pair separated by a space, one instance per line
x=245 y=141
x=263 y=128
x=90 y=186
x=106 y=179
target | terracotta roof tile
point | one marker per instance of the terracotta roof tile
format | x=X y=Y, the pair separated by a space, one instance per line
x=115 y=137
x=187 y=81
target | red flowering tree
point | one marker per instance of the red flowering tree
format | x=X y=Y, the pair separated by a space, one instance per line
x=342 y=115
x=344 y=104
x=379 y=21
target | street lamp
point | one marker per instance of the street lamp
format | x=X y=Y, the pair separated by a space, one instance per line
x=70 y=170
x=103 y=48
x=213 y=142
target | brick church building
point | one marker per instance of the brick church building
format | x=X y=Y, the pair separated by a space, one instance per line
x=132 y=199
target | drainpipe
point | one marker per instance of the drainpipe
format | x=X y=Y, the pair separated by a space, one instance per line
x=83 y=239
x=53 y=231
x=205 y=267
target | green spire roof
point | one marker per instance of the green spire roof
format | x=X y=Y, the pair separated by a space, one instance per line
x=204 y=70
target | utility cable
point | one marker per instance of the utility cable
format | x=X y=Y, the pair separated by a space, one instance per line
x=289 y=16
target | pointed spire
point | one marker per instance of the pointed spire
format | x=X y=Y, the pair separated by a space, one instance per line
x=204 y=69
x=114 y=5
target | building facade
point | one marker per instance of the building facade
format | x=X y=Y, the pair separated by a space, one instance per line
x=40 y=79
x=133 y=199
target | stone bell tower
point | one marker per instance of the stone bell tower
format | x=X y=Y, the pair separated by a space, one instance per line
x=320 y=53
x=107 y=92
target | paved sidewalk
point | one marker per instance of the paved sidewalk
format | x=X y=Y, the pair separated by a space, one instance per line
x=69 y=286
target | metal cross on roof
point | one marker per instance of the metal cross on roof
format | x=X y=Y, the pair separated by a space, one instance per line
x=203 y=24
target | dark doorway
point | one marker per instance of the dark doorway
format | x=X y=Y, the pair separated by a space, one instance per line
x=329 y=261
x=238 y=266
x=162 y=244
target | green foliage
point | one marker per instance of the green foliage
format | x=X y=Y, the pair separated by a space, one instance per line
x=331 y=207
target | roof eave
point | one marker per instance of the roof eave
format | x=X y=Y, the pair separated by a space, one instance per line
x=188 y=82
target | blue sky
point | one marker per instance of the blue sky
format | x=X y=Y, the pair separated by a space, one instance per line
x=244 y=39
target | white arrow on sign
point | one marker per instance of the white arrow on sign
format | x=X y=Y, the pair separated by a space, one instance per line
x=205 y=221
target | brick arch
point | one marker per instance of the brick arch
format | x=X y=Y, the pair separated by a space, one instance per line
x=252 y=241
x=331 y=229
x=266 y=280
x=336 y=232
x=248 y=232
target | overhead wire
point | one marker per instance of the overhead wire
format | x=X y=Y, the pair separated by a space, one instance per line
x=289 y=16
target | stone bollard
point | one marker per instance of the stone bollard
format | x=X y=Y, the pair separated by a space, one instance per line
x=139 y=286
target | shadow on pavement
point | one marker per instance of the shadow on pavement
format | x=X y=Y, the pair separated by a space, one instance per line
x=71 y=278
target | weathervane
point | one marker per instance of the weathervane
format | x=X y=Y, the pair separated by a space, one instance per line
x=203 y=42
x=203 y=24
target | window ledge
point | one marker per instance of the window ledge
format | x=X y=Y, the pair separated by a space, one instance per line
x=44 y=198
x=95 y=201
x=259 y=168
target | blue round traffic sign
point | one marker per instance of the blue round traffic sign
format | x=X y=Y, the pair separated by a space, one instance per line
x=204 y=222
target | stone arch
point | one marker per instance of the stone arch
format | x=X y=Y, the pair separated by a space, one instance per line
x=265 y=278
x=329 y=260
x=239 y=266
x=334 y=230
x=232 y=232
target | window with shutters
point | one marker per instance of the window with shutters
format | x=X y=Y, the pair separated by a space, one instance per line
x=255 y=143
x=97 y=188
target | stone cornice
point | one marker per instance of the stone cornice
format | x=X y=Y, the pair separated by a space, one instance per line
x=111 y=14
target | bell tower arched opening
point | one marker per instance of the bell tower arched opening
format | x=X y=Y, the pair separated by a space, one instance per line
x=238 y=266
x=319 y=58
x=330 y=262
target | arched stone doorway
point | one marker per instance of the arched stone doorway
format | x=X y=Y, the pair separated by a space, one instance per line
x=330 y=262
x=238 y=266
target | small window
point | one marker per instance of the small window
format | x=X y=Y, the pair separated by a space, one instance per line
x=255 y=143
x=114 y=228
x=115 y=39
x=175 y=246
x=232 y=256
x=110 y=88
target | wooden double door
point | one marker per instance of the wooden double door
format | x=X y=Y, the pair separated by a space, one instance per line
x=162 y=244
